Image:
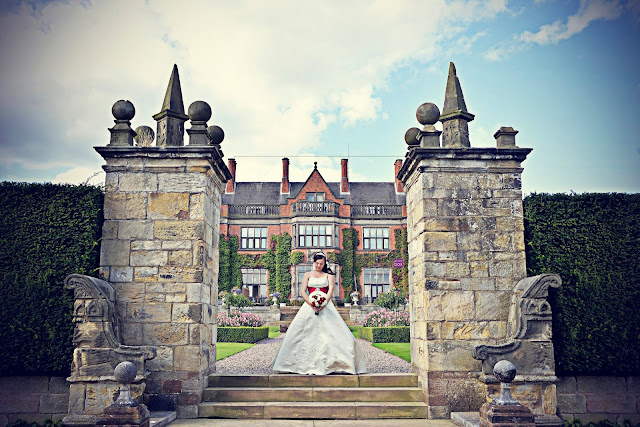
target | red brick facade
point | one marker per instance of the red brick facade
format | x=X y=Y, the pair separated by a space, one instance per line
x=315 y=202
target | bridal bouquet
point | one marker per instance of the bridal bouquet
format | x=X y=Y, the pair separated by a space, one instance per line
x=318 y=299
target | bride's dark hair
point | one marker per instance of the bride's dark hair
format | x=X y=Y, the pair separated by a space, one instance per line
x=325 y=269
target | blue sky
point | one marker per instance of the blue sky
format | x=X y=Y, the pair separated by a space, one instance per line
x=321 y=81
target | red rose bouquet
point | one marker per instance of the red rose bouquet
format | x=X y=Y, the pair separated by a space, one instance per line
x=318 y=299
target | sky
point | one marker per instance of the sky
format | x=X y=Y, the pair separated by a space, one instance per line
x=318 y=81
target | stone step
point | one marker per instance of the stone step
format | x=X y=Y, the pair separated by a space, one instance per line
x=313 y=394
x=313 y=410
x=294 y=380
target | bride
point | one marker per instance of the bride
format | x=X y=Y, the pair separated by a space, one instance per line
x=319 y=344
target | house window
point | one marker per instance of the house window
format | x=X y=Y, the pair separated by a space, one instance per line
x=301 y=270
x=376 y=281
x=315 y=236
x=375 y=238
x=315 y=197
x=253 y=238
x=256 y=280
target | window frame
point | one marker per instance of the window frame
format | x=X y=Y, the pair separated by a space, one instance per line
x=382 y=237
x=251 y=238
x=315 y=239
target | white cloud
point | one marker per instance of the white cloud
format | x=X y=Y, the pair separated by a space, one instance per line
x=589 y=11
x=275 y=74
x=80 y=175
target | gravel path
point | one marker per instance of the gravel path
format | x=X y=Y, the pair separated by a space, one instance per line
x=259 y=358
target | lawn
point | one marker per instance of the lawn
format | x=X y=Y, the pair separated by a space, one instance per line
x=274 y=331
x=400 y=349
x=226 y=349
x=354 y=330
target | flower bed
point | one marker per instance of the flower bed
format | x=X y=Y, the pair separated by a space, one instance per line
x=238 y=326
x=385 y=318
x=238 y=318
x=385 y=326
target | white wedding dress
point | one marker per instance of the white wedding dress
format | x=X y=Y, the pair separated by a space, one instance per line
x=319 y=344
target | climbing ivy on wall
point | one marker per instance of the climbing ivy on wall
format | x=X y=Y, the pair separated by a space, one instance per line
x=353 y=263
x=276 y=261
x=591 y=241
x=47 y=231
x=224 y=272
x=283 y=274
x=347 y=259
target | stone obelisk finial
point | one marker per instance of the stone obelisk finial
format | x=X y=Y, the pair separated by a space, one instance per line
x=171 y=118
x=455 y=117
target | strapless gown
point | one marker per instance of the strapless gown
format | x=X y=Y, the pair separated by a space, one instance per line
x=319 y=344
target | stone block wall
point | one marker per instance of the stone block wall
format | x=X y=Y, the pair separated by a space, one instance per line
x=159 y=251
x=33 y=399
x=597 y=398
x=466 y=254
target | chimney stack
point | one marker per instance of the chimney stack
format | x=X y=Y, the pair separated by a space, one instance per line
x=285 y=187
x=399 y=184
x=231 y=184
x=344 y=182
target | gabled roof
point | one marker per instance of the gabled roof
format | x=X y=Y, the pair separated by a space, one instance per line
x=317 y=172
x=268 y=193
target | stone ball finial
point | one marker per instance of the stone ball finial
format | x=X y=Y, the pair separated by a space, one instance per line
x=125 y=372
x=144 y=136
x=505 y=371
x=123 y=110
x=215 y=134
x=199 y=111
x=428 y=114
x=411 y=137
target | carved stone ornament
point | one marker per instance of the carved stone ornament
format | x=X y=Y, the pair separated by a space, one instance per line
x=528 y=344
x=98 y=350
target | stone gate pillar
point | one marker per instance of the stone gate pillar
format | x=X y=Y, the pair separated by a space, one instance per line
x=160 y=244
x=466 y=249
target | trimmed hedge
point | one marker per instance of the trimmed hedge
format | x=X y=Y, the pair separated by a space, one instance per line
x=593 y=242
x=47 y=231
x=242 y=334
x=387 y=334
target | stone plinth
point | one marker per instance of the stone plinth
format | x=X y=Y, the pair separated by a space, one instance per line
x=159 y=251
x=492 y=415
x=124 y=416
x=466 y=254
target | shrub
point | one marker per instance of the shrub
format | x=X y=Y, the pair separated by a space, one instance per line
x=386 y=318
x=47 y=231
x=391 y=300
x=237 y=300
x=238 y=318
x=385 y=334
x=242 y=334
x=591 y=241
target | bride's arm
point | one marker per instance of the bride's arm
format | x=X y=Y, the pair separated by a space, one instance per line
x=303 y=291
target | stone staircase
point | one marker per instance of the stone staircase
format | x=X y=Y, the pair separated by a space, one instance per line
x=290 y=396
x=289 y=312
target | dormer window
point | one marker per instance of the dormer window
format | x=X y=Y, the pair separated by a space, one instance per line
x=315 y=197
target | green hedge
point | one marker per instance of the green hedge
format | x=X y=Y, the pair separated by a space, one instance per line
x=47 y=231
x=593 y=242
x=388 y=334
x=242 y=334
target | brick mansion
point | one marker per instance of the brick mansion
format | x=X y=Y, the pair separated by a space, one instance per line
x=315 y=213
